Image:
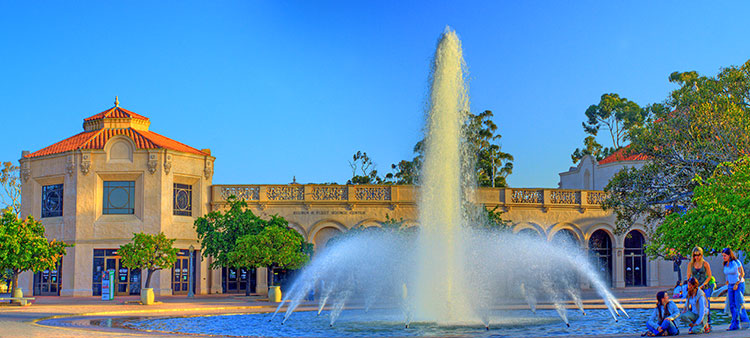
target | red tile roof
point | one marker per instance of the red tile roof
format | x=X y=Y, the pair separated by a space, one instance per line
x=96 y=139
x=116 y=112
x=623 y=154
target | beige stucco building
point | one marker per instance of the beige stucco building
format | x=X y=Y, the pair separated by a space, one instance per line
x=96 y=188
x=117 y=177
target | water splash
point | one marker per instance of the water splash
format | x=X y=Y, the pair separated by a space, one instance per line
x=448 y=272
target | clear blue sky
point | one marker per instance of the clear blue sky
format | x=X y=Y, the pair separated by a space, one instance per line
x=279 y=88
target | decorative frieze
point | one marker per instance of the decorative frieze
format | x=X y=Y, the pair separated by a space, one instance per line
x=208 y=168
x=596 y=197
x=285 y=193
x=329 y=193
x=526 y=196
x=373 y=193
x=564 y=197
x=247 y=193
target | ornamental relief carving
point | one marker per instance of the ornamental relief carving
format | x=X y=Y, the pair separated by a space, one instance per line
x=285 y=193
x=70 y=165
x=373 y=193
x=330 y=193
x=564 y=197
x=153 y=162
x=596 y=197
x=526 y=196
x=243 y=193
x=85 y=163
x=167 y=163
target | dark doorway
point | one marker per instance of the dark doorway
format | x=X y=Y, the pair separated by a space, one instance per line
x=126 y=282
x=235 y=280
x=600 y=250
x=635 y=259
x=47 y=282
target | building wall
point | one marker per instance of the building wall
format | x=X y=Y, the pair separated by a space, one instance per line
x=84 y=224
x=590 y=175
x=319 y=212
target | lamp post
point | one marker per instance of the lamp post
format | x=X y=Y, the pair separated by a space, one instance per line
x=191 y=281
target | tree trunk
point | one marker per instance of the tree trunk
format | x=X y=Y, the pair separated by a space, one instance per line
x=247 y=282
x=148 y=278
x=14 y=282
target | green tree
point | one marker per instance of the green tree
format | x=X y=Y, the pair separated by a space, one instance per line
x=492 y=165
x=277 y=245
x=23 y=247
x=148 y=252
x=705 y=122
x=363 y=170
x=11 y=183
x=220 y=234
x=720 y=218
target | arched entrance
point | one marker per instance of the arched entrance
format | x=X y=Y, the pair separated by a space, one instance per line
x=566 y=237
x=567 y=277
x=635 y=259
x=528 y=232
x=600 y=249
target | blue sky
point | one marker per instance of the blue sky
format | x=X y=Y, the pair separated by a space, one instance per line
x=280 y=88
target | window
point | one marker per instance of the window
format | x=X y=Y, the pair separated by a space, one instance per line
x=119 y=197
x=183 y=200
x=52 y=200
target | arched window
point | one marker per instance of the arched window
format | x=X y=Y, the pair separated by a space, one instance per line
x=635 y=259
x=600 y=250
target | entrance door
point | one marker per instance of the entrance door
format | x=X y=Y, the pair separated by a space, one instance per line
x=47 y=282
x=127 y=281
x=180 y=275
x=235 y=280
x=600 y=249
x=635 y=259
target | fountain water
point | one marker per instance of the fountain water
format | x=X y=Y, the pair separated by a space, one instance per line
x=449 y=272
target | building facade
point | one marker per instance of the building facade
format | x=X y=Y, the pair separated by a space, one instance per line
x=99 y=187
x=117 y=177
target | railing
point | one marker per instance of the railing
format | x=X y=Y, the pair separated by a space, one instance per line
x=395 y=194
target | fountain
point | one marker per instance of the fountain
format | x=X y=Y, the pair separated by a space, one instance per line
x=448 y=273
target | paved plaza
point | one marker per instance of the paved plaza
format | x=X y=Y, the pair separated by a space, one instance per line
x=72 y=317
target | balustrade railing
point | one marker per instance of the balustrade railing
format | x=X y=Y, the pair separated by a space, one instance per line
x=352 y=194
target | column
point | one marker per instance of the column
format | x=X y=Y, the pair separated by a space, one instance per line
x=619 y=266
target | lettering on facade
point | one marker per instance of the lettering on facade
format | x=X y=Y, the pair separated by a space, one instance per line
x=326 y=212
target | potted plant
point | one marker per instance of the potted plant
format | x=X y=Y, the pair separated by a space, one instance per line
x=149 y=253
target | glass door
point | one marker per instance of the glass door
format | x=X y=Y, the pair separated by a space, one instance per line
x=47 y=282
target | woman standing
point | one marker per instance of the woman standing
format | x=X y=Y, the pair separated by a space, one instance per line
x=661 y=322
x=695 y=314
x=735 y=276
x=701 y=271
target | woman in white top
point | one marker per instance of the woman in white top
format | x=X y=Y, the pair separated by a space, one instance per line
x=735 y=276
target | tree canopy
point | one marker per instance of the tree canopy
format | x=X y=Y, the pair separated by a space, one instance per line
x=150 y=252
x=720 y=218
x=617 y=116
x=492 y=165
x=23 y=246
x=705 y=122
x=239 y=238
x=11 y=183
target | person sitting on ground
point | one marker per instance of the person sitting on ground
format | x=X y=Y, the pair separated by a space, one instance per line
x=695 y=313
x=661 y=322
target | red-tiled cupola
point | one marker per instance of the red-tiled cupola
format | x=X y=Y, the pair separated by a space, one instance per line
x=99 y=128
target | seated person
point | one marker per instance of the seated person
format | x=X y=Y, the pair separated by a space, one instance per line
x=695 y=313
x=662 y=320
